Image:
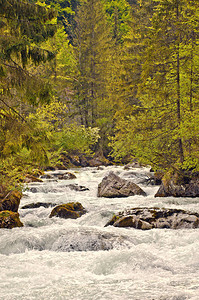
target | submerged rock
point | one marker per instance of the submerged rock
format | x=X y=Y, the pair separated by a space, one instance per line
x=179 y=185
x=71 y=210
x=148 y=218
x=67 y=176
x=77 y=188
x=38 y=204
x=114 y=186
x=43 y=189
x=86 y=240
x=9 y=219
x=11 y=201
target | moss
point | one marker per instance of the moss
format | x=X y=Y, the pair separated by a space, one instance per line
x=75 y=206
x=113 y=220
x=167 y=177
x=71 y=210
x=9 y=219
x=15 y=195
x=30 y=178
x=37 y=172
x=11 y=201
x=5 y=214
x=178 y=177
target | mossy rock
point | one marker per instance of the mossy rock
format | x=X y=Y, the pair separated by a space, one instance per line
x=30 y=178
x=71 y=210
x=179 y=184
x=113 y=220
x=9 y=219
x=3 y=191
x=37 y=172
x=11 y=201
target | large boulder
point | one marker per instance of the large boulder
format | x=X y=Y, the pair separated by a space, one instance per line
x=178 y=184
x=148 y=218
x=11 y=201
x=114 y=186
x=9 y=219
x=71 y=210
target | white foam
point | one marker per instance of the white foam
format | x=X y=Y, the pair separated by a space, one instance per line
x=81 y=259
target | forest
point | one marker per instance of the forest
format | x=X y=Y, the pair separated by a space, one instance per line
x=115 y=78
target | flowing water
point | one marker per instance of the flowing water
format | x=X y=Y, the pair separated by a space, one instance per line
x=53 y=258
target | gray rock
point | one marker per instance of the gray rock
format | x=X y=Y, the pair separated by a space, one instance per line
x=114 y=186
x=67 y=176
x=177 y=185
x=77 y=188
x=148 y=218
x=38 y=204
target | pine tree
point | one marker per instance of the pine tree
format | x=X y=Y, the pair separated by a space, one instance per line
x=118 y=13
x=23 y=26
x=163 y=75
x=66 y=14
x=93 y=44
x=157 y=130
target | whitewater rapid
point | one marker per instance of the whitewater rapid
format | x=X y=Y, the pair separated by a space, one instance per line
x=53 y=258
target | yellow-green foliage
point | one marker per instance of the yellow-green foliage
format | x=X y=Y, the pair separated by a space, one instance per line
x=62 y=136
x=162 y=129
x=74 y=138
x=39 y=139
x=50 y=116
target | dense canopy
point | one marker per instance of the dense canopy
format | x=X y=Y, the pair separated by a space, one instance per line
x=117 y=77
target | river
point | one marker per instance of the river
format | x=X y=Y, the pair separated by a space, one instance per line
x=53 y=258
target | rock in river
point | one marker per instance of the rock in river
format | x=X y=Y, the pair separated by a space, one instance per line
x=71 y=210
x=77 y=188
x=11 y=201
x=30 y=178
x=178 y=184
x=114 y=186
x=38 y=204
x=9 y=219
x=148 y=218
x=67 y=176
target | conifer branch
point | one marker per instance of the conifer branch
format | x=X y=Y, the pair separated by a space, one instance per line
x=10 y=107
